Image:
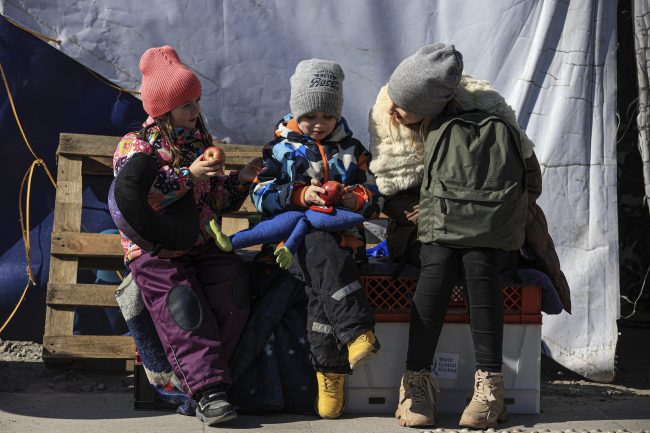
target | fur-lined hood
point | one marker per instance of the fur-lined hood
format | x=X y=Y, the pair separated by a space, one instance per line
x=396 y=165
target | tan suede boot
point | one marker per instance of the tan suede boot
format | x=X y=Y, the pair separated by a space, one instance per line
x=487 y=407
x=417 y=399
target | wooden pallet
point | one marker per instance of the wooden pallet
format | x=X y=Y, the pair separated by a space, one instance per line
x=73 y=250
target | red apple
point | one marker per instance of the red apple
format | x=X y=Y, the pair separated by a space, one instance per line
x=333 y=193
x=214 y=154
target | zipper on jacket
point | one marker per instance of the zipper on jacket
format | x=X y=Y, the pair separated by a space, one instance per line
x=326 y=167
x=443 y=206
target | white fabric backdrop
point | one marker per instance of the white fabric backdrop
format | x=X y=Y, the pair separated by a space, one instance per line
x=554 y=62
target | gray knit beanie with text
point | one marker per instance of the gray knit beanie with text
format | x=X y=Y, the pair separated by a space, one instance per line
x=317 y=85
x=423 y=83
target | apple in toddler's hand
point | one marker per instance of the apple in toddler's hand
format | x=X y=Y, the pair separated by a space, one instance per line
x=214 y=154
x=333 y=193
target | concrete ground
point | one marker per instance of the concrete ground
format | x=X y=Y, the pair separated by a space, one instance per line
x=94 y=412
x=35 y=399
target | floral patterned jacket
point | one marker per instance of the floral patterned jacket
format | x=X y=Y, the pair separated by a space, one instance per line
x=214 y=197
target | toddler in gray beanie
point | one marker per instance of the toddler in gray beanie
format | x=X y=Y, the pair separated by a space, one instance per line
x=317 y=85
x=423 y=83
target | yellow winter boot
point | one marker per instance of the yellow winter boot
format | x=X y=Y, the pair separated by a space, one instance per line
x=330 y=402
x=362 y=349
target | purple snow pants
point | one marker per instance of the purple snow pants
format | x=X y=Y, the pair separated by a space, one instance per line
x=199 y=357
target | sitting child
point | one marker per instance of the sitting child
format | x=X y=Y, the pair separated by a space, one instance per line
x=313 y=145
x=189 y=293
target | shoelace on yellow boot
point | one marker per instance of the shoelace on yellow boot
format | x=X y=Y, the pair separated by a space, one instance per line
x=331 y=383
x=423 y=387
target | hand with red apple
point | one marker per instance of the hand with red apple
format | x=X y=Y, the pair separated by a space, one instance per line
x=204 y=170
x=252 y=169
x=312 y=195
x=349 y=198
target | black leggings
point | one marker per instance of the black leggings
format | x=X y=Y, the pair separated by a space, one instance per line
x=441 y=266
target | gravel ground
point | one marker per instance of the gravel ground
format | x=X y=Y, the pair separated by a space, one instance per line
x=22 y=370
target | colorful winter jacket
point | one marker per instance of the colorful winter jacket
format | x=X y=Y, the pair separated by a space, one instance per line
x=293 y=159
x=214 y=197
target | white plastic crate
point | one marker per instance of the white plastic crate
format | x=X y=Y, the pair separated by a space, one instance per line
x=374 y=387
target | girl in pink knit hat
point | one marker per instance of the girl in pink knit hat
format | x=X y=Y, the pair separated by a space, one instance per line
x=191 y=295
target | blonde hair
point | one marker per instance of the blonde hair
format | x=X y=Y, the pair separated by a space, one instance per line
x=167 y=130
x=418 y=132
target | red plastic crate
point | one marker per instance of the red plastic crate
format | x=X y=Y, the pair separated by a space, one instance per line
x=391 y=300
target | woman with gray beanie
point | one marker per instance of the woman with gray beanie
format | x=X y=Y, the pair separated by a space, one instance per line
x=460 y=181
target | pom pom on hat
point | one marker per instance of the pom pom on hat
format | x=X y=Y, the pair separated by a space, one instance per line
x=166 y=82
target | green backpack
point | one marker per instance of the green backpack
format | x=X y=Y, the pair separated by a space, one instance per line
x=474 y=188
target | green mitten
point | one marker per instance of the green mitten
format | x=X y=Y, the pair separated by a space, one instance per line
x=284 y=257
x=222 y=241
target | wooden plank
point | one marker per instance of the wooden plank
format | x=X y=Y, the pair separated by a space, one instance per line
x=67 y=205
x=230 y=226
x=240 y=148
x=104 y=146
x=87 y=145
x=87 y=245
x=59 y=320
x=247 y=208
x=81 y=295
x=97 y=165
x=88 y=346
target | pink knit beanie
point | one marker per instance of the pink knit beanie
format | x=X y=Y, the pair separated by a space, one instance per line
x=166 y=82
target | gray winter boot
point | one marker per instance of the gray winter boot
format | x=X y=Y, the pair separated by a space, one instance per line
x=417 y=399
x=487 y=407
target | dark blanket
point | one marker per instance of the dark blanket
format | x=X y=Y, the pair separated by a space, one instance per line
x=270 y=369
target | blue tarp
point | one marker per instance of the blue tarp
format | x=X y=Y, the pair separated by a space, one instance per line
x=52 y=94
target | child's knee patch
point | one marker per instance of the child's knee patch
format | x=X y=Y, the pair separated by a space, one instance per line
x=184 y=307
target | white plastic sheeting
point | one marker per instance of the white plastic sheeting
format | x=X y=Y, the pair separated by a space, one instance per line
x=641 y=13
x=553 y=60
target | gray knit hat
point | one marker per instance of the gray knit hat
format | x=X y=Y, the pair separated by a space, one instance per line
x=423 y=83
x=317 y=85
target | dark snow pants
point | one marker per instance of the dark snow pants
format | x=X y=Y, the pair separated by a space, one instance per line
x=199 y=305
x=338 y=308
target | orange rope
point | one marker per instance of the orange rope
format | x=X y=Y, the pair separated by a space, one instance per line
x=34 y=33
x=108 y=84
x=28 y=176
x=24 y=222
